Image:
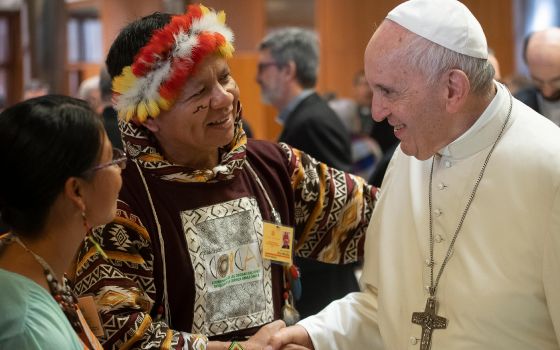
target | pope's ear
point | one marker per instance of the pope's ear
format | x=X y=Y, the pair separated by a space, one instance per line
x=458 y=88
x=151 y=124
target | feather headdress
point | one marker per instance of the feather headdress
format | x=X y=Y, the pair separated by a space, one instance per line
x=164 y=64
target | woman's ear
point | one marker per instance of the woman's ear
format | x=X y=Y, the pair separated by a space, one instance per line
x=74 y=190
x=458 y=87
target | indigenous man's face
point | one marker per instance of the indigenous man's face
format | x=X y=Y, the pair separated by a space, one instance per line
x=202 y=118
x=402 y=96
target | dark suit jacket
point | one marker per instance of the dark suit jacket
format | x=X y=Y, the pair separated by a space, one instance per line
x=314 y=128
x=529 y=97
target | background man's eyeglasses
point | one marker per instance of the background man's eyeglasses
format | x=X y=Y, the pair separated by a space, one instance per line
x=262 y=66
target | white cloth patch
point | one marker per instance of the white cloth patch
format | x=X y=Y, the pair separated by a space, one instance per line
x=234 y=266
x=233 y=283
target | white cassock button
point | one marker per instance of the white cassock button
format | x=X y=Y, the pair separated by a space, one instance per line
x=428 y=263
x=441 y=186
x=413 y=340
x=447 y=164
x=437 y=212
x=438 y=238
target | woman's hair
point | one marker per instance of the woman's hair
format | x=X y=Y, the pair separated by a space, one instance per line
x=44 y=141
x=131 y=39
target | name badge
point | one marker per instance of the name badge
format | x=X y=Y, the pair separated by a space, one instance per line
x=87 y=305
x=278 y=243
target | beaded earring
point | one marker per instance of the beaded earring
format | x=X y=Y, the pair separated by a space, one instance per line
x=89 y=236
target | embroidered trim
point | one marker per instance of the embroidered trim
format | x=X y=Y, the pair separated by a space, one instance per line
x=235 y=346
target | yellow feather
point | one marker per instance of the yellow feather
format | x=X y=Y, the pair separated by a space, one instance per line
x=221 y=17
x=142 y=111
x=124 y=81
x=164 y=104
x=226 y=50
x=153 y=108
x=204 y=9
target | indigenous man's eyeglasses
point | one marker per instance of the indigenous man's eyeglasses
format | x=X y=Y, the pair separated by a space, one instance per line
x=262 y=66
x=119 y=158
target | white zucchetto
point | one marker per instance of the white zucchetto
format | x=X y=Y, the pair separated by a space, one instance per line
x=448 y=23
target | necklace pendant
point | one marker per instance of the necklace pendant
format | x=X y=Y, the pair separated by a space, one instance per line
x=428 y=320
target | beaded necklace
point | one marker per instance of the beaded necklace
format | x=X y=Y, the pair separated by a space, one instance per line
x=61 y=292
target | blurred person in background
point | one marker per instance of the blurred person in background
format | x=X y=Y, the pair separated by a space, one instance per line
x=287 y=74
x=89 y=92
x=35 y=88
x=541 y=52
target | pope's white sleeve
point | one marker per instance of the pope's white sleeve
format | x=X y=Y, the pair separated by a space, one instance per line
x=348 y=323
x=551 y=266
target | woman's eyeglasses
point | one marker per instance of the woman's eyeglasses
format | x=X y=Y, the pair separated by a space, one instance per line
x=119 y=159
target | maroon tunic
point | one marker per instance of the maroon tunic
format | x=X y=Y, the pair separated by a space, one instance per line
x=208 y=277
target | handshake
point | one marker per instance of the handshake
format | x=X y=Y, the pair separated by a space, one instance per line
x=275 y=336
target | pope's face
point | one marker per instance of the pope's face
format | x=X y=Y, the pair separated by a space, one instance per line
x=402 y=96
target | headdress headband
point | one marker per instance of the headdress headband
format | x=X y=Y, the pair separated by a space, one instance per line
x=163 y=65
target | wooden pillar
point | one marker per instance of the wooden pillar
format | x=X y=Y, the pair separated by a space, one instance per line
x=47 y=30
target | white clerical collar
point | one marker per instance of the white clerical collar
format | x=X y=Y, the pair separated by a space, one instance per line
x=484 y=131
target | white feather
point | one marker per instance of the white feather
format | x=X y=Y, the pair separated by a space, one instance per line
x=185 y=45
x=146 y=88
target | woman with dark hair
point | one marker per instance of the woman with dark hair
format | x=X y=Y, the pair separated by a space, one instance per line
x=195 y=251
x=63 y=178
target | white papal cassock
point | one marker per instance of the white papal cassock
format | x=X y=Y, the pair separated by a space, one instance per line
x=501 y=286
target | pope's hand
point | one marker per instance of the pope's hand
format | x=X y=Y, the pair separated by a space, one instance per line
x=290 y=338
x=260 y=339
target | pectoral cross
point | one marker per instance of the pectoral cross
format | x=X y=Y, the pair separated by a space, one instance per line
x=429 y=321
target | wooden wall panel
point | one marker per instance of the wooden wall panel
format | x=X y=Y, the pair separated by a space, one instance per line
x=345 y=31
x=246 y=18
x=496 y=18
x=115 y=14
